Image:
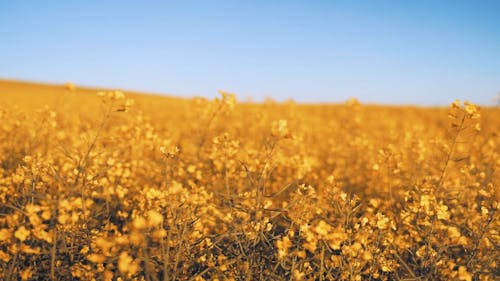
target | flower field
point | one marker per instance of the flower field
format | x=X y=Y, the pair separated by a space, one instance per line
x=106 y=185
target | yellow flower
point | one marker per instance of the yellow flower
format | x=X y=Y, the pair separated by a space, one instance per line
x=298 y=275
x=63 y=218
x=484 y=210
x=43 y=235
x=26 y=274
x=322 y=229
x=386 y=268
x=127 y=265
x=366 y=256
x=454 y=232
x=229 y=99
x=191 y=169
x=472 y=110
x=382 y=221
x=336 y=238
x=124 y=262
x=4 y=234
x=455 y=104
x=22 y=233
x=69 y=86
x=96 y=258
x=154 y=218
x=283 y=246
x=107 y=275
x=5 y=257
x=280 y=129
x=28 y=250
x=139 y=223
x=136 y=238
x=159 y=234
x=102 y=243
x=31 y=208
x=442 y=212
x=117 y=95
x=463 y=274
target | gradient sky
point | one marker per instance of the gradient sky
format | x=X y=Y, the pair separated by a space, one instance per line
x=398 y=52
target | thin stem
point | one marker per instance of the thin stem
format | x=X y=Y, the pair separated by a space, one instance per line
x=450 y=153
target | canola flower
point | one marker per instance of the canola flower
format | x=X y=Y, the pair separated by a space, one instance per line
x=219 y=190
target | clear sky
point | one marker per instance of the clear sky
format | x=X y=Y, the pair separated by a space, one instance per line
x=399 y=52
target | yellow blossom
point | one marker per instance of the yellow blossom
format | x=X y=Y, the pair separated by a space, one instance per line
x=4 y=234
x=140 y=223
x=283 y=245
x=5 y=257
x=26 y=274
x=463 y=274
x=22 y=233
x=154 y=218
x=96 y=258
x=126 y=264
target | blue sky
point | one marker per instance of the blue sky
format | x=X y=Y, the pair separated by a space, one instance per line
x=397 y=52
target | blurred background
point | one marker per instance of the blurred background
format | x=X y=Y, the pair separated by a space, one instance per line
x=391 y=52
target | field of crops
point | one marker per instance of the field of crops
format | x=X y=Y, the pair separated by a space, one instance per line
x=113 y=186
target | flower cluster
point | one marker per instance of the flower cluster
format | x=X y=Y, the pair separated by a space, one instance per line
x=105 y=188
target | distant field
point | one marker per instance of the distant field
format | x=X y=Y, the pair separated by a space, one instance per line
x=109 y=185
